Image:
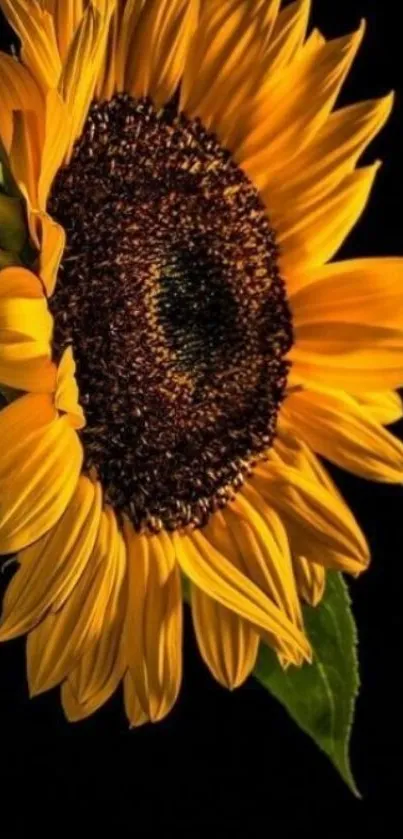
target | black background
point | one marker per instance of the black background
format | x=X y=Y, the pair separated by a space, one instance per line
x=235 y=764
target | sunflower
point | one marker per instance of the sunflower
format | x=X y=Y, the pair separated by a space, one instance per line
x=177 y=346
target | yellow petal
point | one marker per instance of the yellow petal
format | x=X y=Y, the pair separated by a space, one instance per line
x=295 y=103
x=310 y=556
x=51 y=568
x=320 y=515
x=216 y=576
x=267 y=12
x=18 y=91
x=228 y=644
x=309 y=236
x=34 y=26
x=357 y=358
x=66 y=17
x=263 y=543
x=57 y=127
x=310 y=578
x=57 y=644
x=160 y=47
x=287 y=36
x=107 y=76
x=23 y=307
x=129 y=22
x=39 y=469
x=153 y=627
x=51 y=240
x=25 y=333
x=134 y=711
x=67 y=394
x=224 y=31
x=384 y=407
x=25 y=154
x=359 y=291
x=83 y=65
x=101 y=668
x=335 y=426
x=332 y=155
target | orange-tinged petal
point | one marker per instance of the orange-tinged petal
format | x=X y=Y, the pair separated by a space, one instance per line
x=83 y=65
x=66 y=18
x=57 y=126
x=332 y=155
x=25 y=154
x=153 y=627
x=39 y=470
x=310 y=236
x=295 y=103
x=127 y=32
x=35 y=28
x=359 y=291
x=18 y=91
x=160 y=47
x=51 y=568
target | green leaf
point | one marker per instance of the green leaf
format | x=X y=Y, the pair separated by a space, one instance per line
x=321 y=696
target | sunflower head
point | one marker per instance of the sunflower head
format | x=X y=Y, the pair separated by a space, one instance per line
x=176 y=344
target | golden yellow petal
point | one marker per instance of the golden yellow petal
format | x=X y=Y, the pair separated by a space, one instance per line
x=51 y=568
x=51 y=240
x=124 y=54
x=160 y=46
x=57 y=127
x=335 y=426
x=26 y=154
x=67 y=15
x=358 y=291
x=25 y=333
x=83 y=65
x=295 y=104
x=214 y=574
x=311 y=235
x=39 y=469
x=35 y=28
x=227 y=643
x=57 y=644
x=384 y=407
x=263 y=543
x=99 y=671
x=320 y=167
x=67 y=394
x=314 y=510
x=310 y=578
x=18 y=91
x=153 y=626
x=134 y=711
x=287 y=36
x=224 y=31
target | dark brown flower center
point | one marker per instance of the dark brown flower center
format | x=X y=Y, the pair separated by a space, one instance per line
x=170 y=294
